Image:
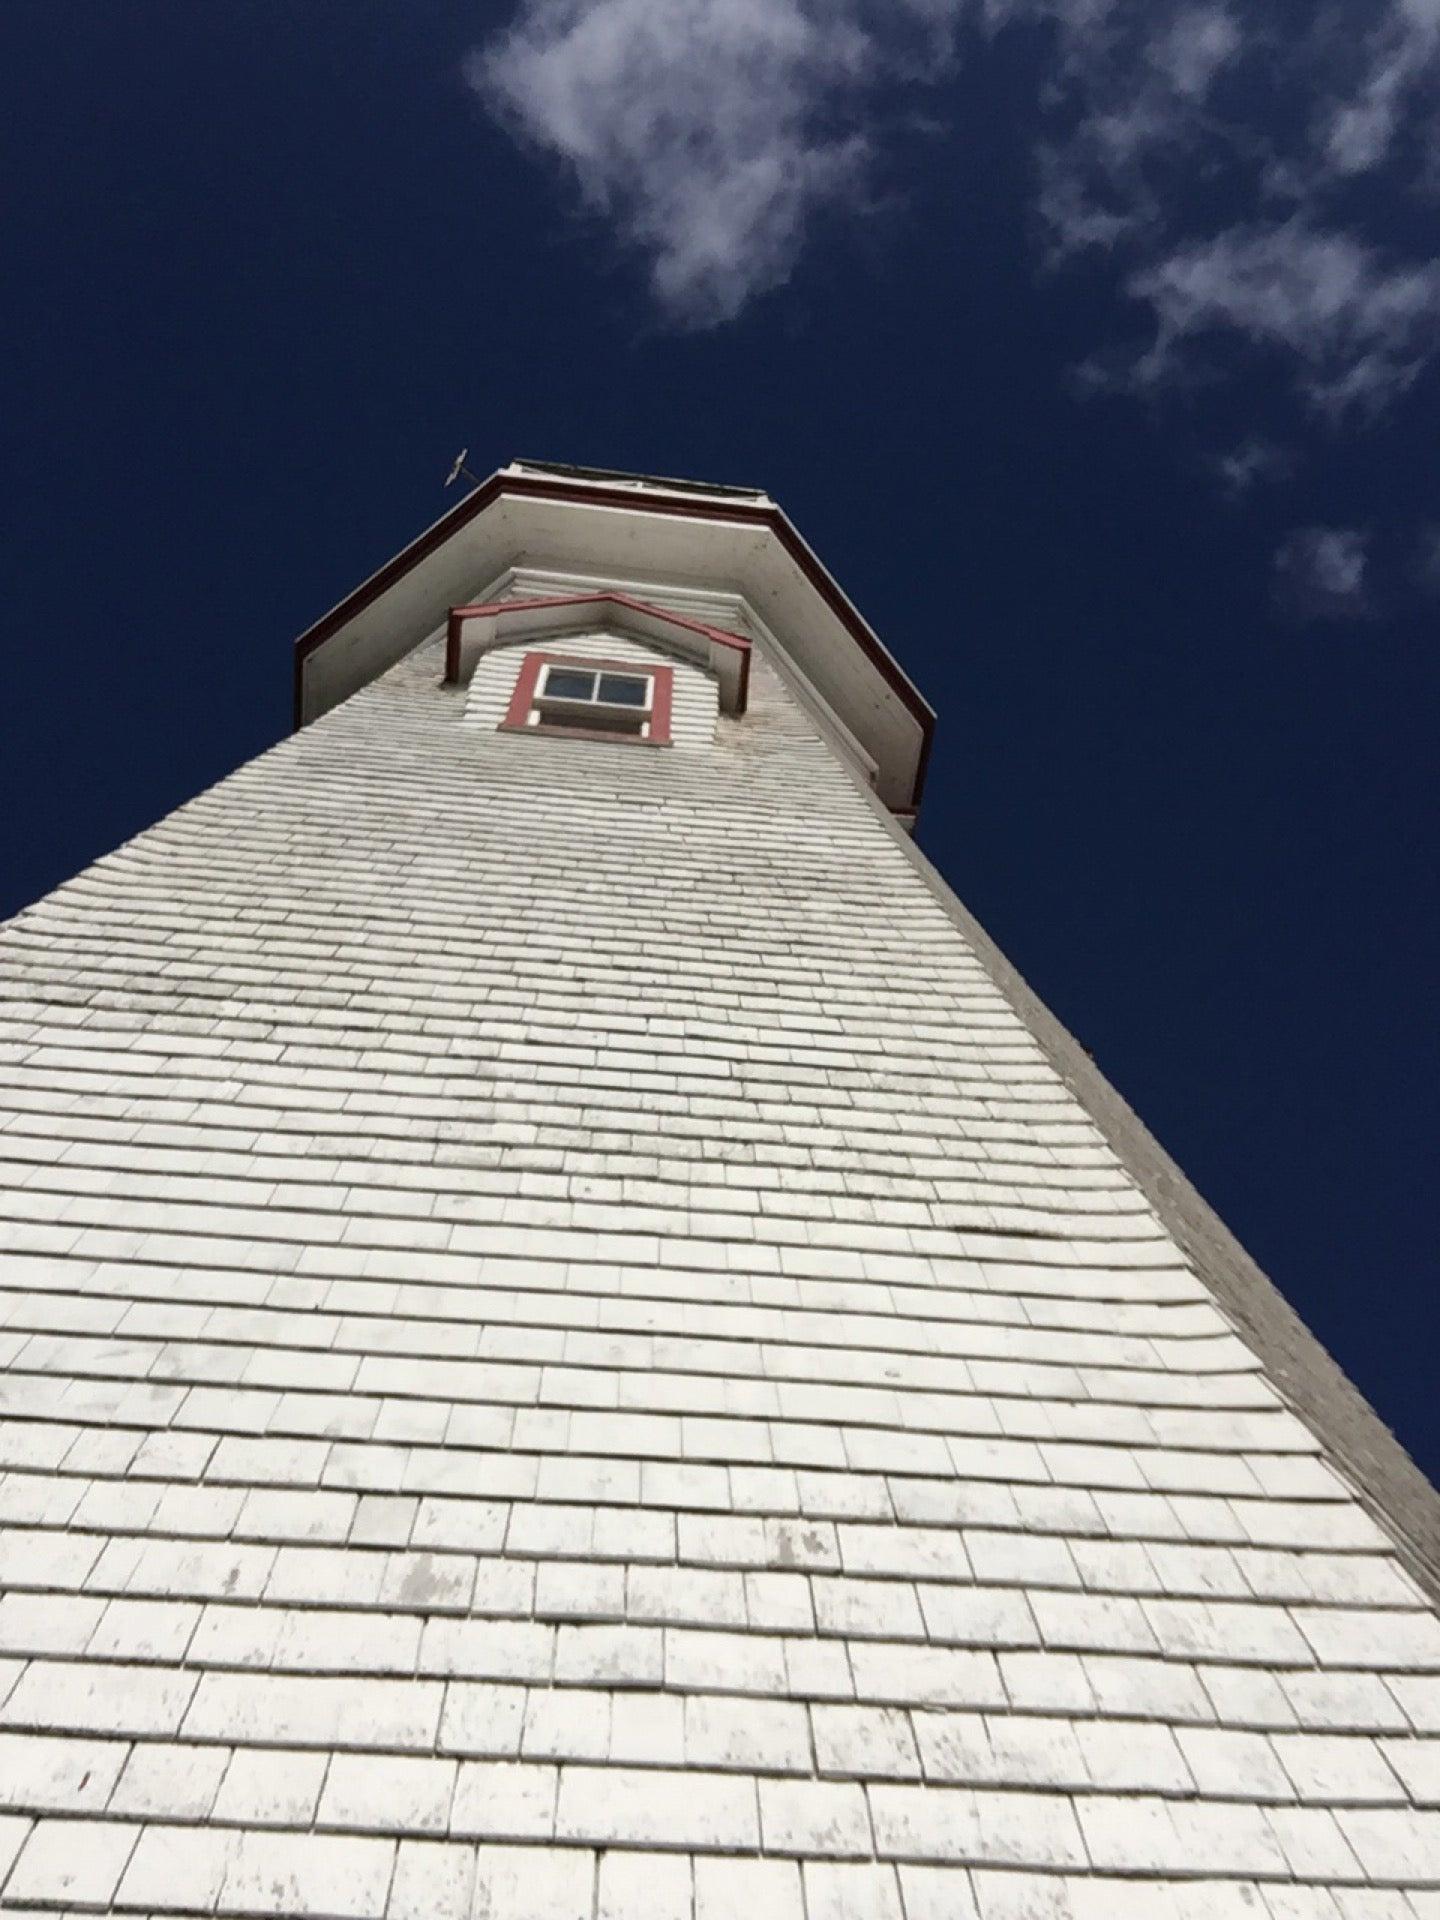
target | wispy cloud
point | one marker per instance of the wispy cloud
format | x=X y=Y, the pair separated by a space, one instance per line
x=1155 y=98
x=1427 y=559
x=1321 y=574
x=1400 y=55
x=1250 y=464
x=711 y=134
x=1130 y=109
x=1354 y=327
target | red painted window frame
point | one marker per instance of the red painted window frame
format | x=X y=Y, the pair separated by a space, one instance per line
x=522 y=700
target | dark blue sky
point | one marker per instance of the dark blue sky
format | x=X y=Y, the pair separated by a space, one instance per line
x=269 y=266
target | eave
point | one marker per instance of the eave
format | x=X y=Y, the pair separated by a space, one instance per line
x=750 y=541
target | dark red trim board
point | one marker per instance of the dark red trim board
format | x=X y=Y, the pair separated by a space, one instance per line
x=523 y=696
x=458 y=615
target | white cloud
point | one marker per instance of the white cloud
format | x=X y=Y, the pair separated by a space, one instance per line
x=1195 y=48
x=1320 y=573
x=708 y=131
x=711 y=134
x=1356 y=328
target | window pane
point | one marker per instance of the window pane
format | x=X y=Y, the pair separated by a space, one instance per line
x=624 y=689
x=566 y=683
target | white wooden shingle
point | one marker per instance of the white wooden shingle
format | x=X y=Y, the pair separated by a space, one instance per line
x=644 y=1886
x=71 y=1863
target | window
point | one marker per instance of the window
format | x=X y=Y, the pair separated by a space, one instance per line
x=597 y=699
x=576 y=697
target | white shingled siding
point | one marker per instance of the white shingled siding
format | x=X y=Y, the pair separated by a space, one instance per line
x=696 y=701
x=568 y=1358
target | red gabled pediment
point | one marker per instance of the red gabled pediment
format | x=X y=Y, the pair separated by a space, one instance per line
x=510 y=622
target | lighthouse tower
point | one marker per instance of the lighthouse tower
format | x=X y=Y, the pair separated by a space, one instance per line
x=577 y=1346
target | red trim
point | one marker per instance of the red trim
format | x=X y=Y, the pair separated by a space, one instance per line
x=736 y=512
x=662 y=698
x=523 y=697
x=720 y=635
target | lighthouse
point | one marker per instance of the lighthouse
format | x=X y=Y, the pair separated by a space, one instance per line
x=577 y=1345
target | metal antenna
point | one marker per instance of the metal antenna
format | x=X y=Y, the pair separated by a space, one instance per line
x=460 y=468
